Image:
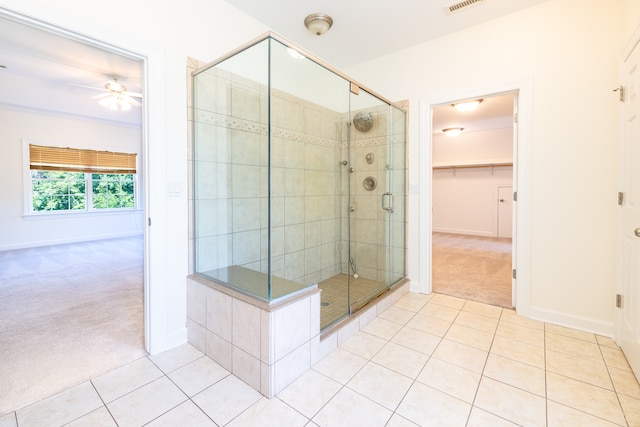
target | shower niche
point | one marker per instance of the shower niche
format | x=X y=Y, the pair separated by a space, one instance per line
x=285 y=236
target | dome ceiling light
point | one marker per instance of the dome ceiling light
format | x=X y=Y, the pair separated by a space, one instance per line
x=465 y=107
x=452 y=131
x=318 y=23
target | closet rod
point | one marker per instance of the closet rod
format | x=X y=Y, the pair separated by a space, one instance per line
x=480 y=165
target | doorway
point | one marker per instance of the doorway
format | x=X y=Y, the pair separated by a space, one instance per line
x=473 y=177
x=59 y=297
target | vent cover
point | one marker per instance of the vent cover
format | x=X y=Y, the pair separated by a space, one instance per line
x=461 y=5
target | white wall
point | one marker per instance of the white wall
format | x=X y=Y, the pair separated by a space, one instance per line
x=465 y=200
x=18 y=230
x=567 y=51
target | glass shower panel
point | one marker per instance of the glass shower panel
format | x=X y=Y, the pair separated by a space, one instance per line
x=231 y=170
x=368 y=260
x=396 y=175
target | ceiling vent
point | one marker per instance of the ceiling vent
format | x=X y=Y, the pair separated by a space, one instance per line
x=461 y=5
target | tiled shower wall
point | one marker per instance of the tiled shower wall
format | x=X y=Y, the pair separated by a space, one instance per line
x=232 y=176
x=371 y=231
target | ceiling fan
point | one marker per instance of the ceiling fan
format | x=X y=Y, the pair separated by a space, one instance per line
x=117 y=97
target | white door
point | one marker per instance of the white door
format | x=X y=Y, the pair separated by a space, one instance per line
x=505 y=211
x=628 y=283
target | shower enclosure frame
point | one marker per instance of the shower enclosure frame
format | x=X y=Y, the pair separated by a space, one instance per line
x=278 y=288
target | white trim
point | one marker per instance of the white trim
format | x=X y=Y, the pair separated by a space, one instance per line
x=574 y=322
x=521 y=184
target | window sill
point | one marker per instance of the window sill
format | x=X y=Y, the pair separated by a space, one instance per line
x=59 y=215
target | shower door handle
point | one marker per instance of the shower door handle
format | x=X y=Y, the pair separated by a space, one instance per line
x=387 y=207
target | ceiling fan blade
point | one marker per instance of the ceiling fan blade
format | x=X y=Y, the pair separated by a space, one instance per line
x=102 y=95
x=89 y=87
x=133 y=101
x=133 y=94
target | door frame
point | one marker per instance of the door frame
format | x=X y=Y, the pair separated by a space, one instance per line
x=64 y=26
x=523 y=132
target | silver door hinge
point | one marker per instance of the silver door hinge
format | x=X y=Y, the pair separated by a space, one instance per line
x=621 y=94
x=149 y=221
x=515 y=196
x=513 y=273
x=618 y=300
x=515 y=118
x=620 y=197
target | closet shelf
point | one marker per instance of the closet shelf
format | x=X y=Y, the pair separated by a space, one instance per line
x=474 y=165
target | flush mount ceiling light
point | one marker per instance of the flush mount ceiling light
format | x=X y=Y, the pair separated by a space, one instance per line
x=452 y=131
x=318 y=23
x=467 y=106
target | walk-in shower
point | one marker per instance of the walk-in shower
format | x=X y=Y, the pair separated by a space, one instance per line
x=299 y=177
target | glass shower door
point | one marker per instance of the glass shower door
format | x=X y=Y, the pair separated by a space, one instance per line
x=372 y=198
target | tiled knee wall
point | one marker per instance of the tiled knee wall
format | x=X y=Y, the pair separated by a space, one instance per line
x=267 y=346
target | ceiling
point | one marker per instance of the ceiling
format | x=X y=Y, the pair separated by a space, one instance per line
x=494 y=112
x=43 y=70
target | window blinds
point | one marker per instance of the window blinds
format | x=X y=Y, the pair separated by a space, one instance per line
x=79 y=160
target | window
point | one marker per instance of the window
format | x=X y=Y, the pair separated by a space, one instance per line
x=73 y=180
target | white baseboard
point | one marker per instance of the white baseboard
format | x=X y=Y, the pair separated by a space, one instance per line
x=465 y=232
x=575 y=322
x=76 y=239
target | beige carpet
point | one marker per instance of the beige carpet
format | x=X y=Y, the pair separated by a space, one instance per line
x=67 y=313
x=472 y=267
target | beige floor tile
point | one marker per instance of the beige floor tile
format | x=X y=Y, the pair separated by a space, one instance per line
x=448 y=301
x=401 y=359
x=469 y=336
x=588 y=371
x=573 y=347
x=430 y=325
x=269 y=413
x=382 y=328
x=606 y=342
x=417 y=340
x=625 y=382
x=226 y=399
x=400 y=421
x=349 y=408
x=126 y=379
x=146 y=403
x=512 y=316
x=453 y=380
x=511 y=403
x=480 y=418
x=61 y=408
x=518 y=350
x=364 y=344
x=309 y=393
x=516 y=374
x=185 y=414
x=615 y=357
x=584 y=397
x=631 y=408
x=198 y=375
x=397 y=315
x=427 y=406
x=98 y=418
x=413 y=301
x=340 y=365
x=521 y=333
x=562 y=416
x=175 y=358
x=461 y=355
x=571 y=333
x=381 y=385
x=441 y=312
x=477 y=321
x=486 y=310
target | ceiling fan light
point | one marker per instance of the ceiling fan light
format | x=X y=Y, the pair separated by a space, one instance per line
x=465 y=107
x=452 y=131
x=318 y=23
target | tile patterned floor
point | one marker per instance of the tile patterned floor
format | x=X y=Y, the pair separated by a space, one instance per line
x=429 y=360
